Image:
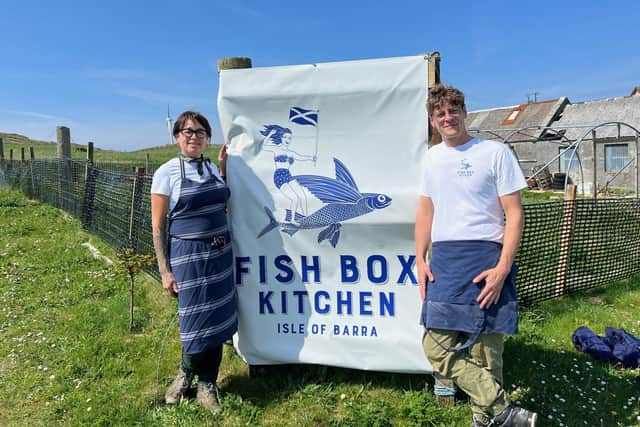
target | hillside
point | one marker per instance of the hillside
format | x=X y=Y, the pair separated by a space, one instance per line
x=45 y=150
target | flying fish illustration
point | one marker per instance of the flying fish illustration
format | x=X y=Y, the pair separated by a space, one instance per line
x=343 y=201
x=464 y=164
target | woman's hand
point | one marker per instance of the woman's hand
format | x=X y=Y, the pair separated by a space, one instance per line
x=169 y=284
x=222 y=160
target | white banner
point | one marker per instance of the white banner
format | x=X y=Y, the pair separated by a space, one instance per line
x=324 y=170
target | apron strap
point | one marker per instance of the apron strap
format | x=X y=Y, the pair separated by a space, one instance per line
x=468 y=343
x=206 y=164
x=182 y=173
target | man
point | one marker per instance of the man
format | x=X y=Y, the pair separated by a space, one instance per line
x=470 y=185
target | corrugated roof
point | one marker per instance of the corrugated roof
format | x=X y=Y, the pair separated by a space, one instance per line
x=534 y=114
x=591 y=113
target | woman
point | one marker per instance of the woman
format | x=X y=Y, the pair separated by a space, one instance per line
x=195 y=259
x=277 y=140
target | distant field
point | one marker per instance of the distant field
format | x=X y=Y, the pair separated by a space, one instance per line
x=44 y=150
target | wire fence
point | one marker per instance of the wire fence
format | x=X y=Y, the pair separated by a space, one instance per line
x=567 y=246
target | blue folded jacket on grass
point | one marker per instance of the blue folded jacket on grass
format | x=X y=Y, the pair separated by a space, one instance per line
x=617 y=345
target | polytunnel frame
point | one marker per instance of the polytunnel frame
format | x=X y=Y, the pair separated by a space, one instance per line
x=575 y=144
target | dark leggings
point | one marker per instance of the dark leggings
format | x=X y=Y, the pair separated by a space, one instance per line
x=205 y=365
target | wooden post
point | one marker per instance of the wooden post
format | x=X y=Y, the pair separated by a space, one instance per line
x=89 y=196
x=63 y=136
x=637 y=167
x=89 y=163
x=233 y=63
x=568 y=223
x=1 y=150
x=22 y=155
x=595 y=165
x=11 y=154
x=136 y=203
x=32 y=157
x=146 y=161
x=433 y=79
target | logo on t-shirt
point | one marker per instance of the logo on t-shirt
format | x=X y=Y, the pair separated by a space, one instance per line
x=465 y=168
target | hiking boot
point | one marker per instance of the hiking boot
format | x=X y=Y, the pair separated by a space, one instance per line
x=514 y=416
x=478 y=423
x=178 y=387
x=208 y=397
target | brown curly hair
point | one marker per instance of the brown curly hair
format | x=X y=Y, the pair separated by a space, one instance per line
x=440 y=95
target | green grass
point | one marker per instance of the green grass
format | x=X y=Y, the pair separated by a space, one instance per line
x=537 y=196
x=67 y=358
x=45 y=150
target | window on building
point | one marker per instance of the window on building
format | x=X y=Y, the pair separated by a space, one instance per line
x=513 y=115
x=565 y=157
x=616 y=157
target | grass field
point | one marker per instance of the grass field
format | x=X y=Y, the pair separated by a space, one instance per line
x=67 y=358
x=45 y=150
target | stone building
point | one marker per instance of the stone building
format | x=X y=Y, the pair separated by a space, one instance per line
x=560 y=135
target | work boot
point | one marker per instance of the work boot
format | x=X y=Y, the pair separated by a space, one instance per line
x=178 y=387
x=514 y=416
x=478 y=423
x=208 y=397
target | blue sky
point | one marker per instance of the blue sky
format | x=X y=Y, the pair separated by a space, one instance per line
x=108 y=69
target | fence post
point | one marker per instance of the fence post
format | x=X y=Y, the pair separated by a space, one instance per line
x=89 y=196
x=433 y=78
x=32 y=157
x=1 y=155
x=11 y=154
x=136 y=203
x=63 y=136
x=594 y=147
x=146 y=161
x=568 y=223
x=22 y=156
x=89 y=160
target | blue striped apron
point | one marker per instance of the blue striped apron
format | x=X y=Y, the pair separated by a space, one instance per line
x=451 y=299
x=201 y=261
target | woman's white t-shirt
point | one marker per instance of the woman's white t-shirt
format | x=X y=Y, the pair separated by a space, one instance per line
x=167 y=178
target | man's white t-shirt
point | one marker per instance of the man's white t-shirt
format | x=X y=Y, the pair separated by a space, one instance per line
x=167 y=178
x=465 y=183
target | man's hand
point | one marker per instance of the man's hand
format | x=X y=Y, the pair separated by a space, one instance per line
x=169 y=284
x=424 y=274
x=494 y=280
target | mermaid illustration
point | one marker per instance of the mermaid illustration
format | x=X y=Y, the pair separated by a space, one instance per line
x=277 y=140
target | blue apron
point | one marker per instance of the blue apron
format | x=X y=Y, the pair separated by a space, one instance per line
x=451 y=299
x=201 y=261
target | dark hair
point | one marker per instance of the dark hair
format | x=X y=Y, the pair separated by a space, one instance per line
x=440 y=94
x=191 y=115
x=276 y=132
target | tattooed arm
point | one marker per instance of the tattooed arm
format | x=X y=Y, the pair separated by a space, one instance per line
x=159 y=209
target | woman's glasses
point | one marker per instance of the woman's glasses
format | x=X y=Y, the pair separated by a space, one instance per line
x=188 y=132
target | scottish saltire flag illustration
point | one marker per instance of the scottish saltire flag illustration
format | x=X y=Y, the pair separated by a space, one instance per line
x=303 y=116
x=342 y=201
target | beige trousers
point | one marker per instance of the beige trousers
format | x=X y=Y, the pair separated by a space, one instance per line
x=476 y=370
